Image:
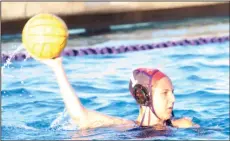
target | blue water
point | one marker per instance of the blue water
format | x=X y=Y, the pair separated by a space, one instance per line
x=32 y=107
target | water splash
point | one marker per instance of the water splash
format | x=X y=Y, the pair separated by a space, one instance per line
x=8 y=61
x=63 y=122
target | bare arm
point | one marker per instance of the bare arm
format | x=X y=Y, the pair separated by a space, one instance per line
x=83 y=117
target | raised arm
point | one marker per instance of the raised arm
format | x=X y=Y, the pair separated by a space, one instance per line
x=72 y=102
x=83 y=118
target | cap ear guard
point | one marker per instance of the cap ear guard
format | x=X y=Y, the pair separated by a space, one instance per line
x=141 y=95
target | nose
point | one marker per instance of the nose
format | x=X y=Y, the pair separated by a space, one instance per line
x=172 y=97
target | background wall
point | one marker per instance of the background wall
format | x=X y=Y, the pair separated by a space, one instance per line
x=97 y=15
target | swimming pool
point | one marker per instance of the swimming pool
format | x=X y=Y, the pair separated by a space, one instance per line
x=33 y=109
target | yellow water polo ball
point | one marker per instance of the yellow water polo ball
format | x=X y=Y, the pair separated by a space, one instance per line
x=45 y=36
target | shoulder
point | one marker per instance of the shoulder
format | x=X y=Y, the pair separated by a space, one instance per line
x=182 y=123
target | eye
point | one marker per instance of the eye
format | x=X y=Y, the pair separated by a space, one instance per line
x=165 y=92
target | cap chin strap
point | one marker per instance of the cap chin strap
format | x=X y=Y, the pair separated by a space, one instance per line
x=151 y=108
x=143 y=117
x=151 y=103
x=150 y=91
x=142 y=120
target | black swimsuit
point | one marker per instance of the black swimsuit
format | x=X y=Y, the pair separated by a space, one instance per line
x=169 y=123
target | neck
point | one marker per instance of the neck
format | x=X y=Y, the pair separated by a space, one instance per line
x=148 y=118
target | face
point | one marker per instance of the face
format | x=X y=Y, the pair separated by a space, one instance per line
x=163 y=98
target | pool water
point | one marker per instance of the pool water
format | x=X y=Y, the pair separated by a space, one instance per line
x=32 y=107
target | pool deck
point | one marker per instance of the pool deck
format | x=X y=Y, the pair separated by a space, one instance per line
x=97 y=17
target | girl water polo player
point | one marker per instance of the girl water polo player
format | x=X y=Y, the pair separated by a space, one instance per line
x=151 y=88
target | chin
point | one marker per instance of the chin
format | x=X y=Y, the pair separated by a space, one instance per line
x=168 y=116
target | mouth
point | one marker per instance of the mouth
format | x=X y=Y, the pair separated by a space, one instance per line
x=170 y=109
